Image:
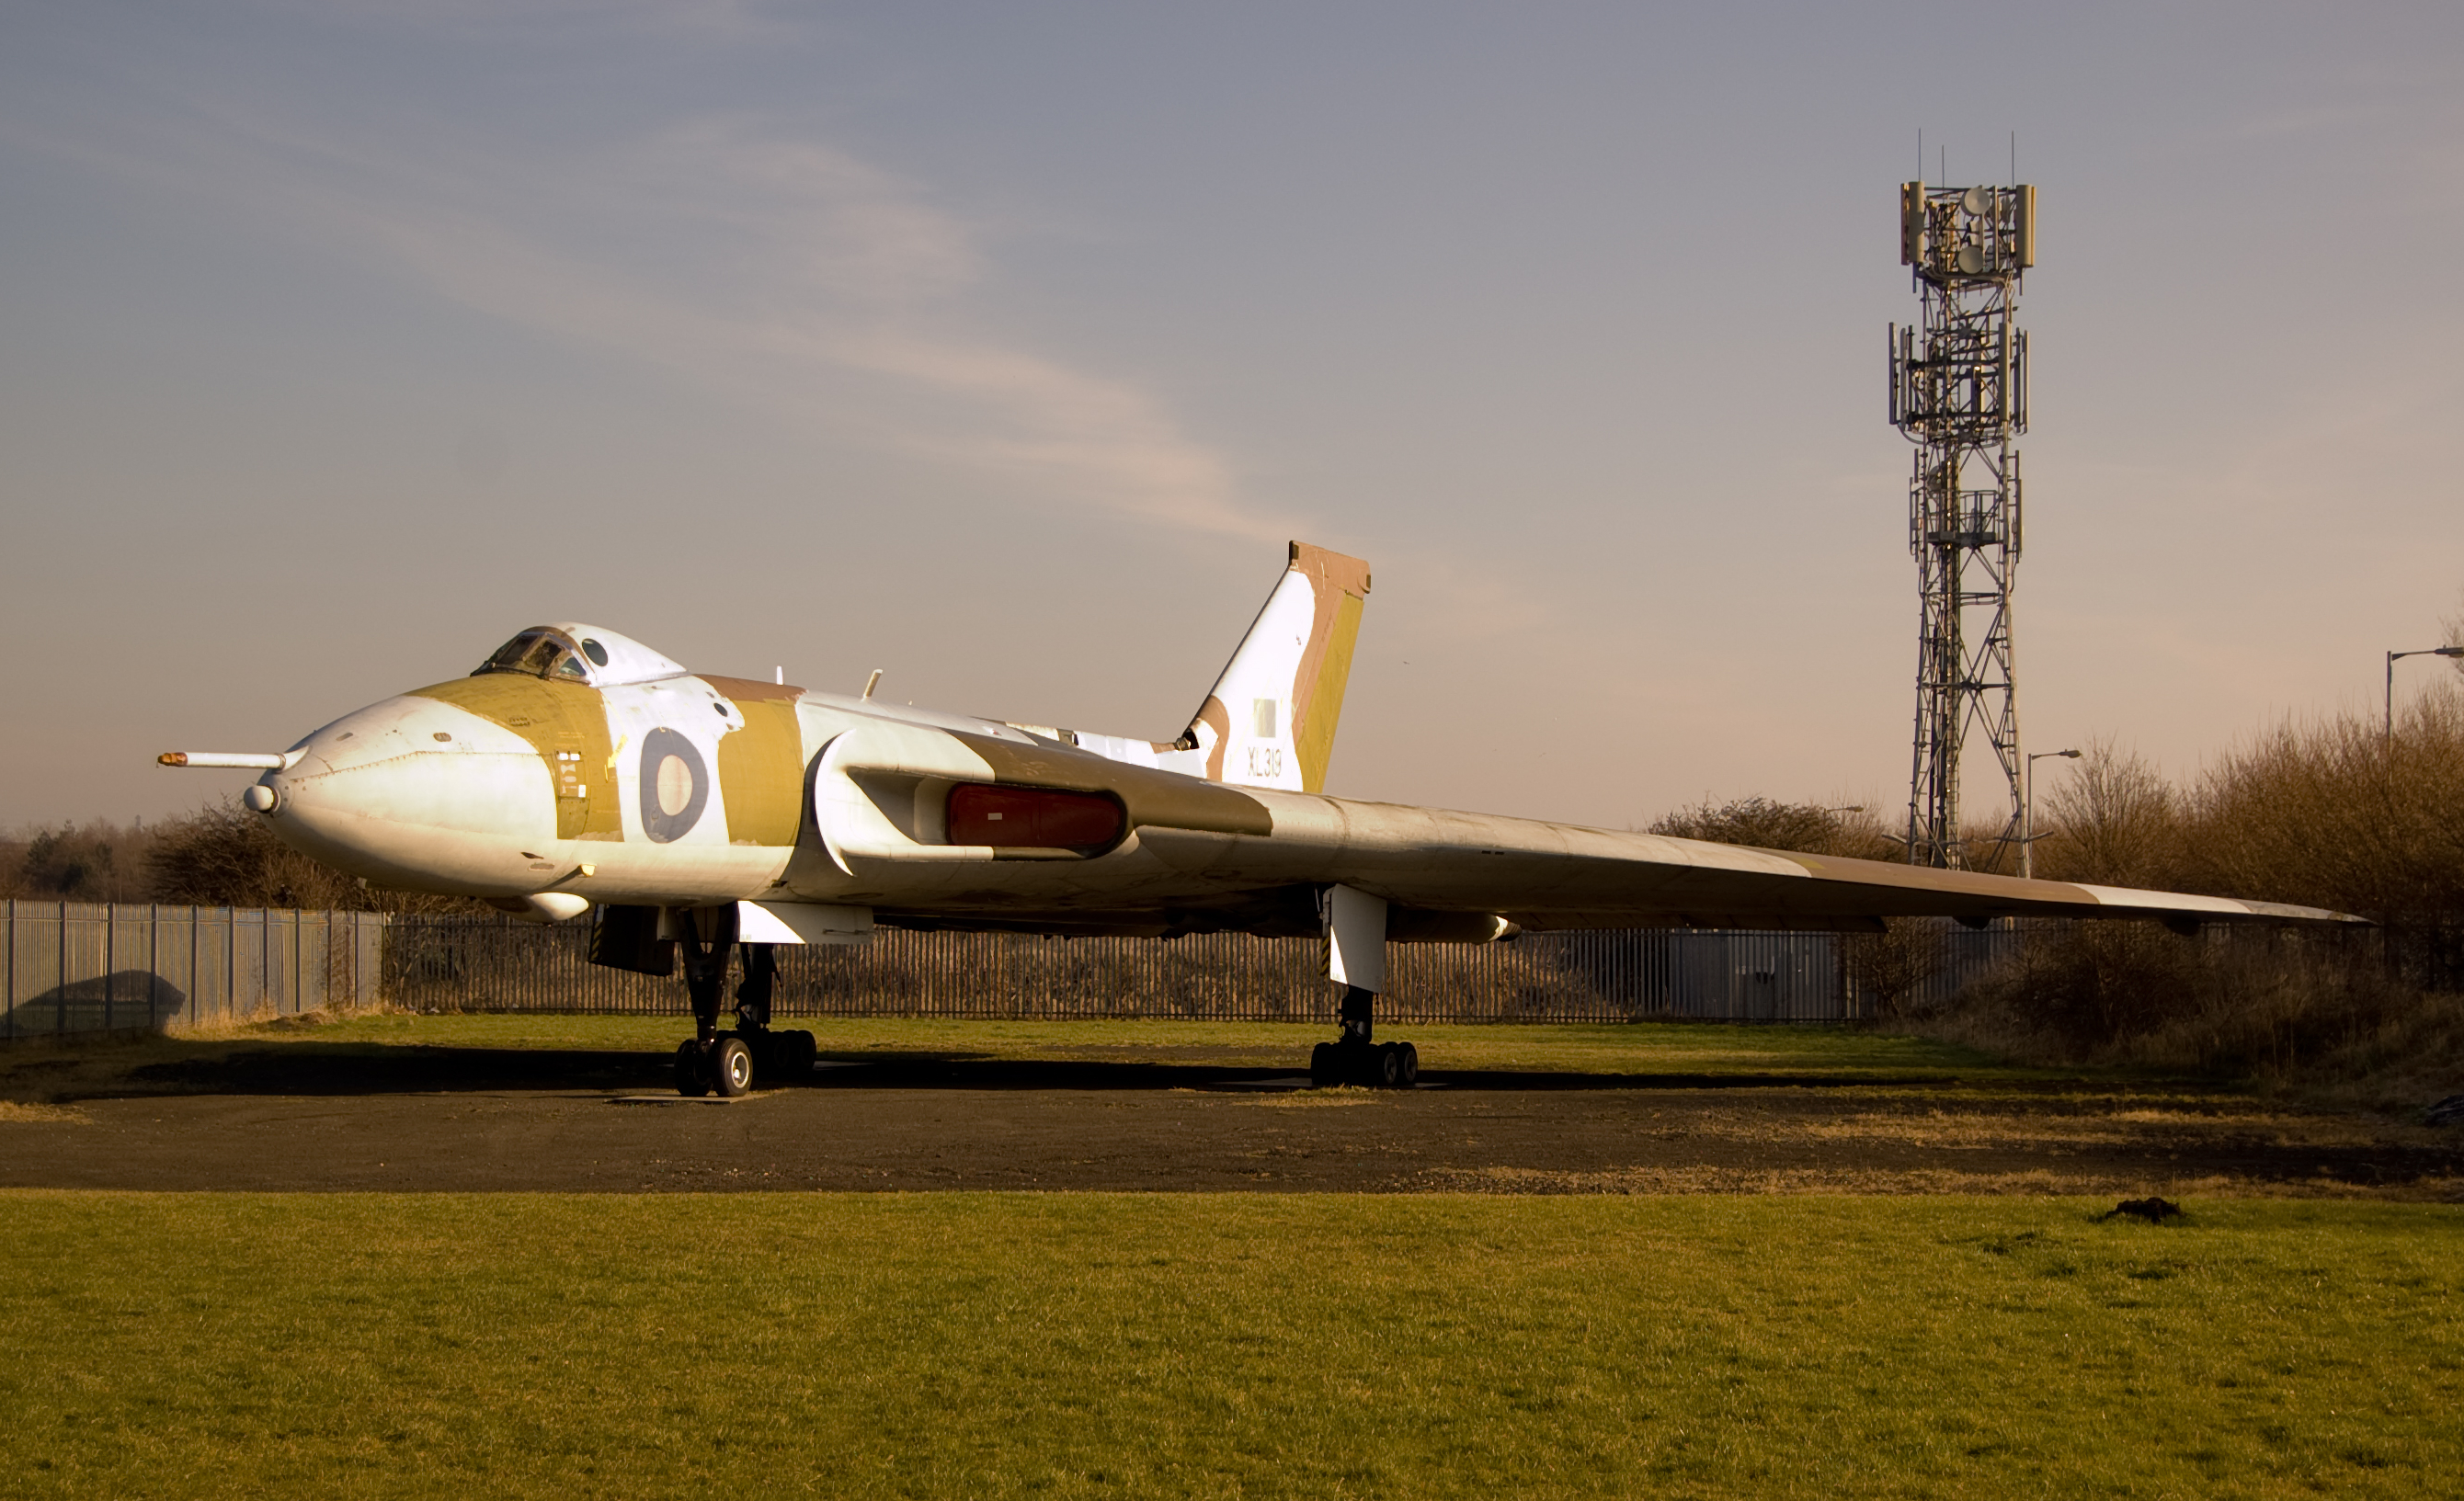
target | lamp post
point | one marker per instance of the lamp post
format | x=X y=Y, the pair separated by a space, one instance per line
x=2426 y=651
x=1831 y=822
x=2028 y=814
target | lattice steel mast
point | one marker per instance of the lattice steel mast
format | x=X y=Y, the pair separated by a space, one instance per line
x=1959 y=391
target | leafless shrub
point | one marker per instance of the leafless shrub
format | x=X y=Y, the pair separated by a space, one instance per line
x=2340 y=813
x=2336 y=812
x=2292 y=1008
x=225 y=856
x=2115 y=821
x=1889 y=969
x=1765 y=823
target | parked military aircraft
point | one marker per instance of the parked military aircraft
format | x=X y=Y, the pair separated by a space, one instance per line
x=577 y=771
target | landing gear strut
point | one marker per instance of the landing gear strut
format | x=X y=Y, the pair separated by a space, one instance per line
x=786 y=1055
x=1354 y=1060
x=726 y=1061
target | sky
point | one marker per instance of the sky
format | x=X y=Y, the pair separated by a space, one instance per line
x=1004 y=347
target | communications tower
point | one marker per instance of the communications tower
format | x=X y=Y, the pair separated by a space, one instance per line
x=1959 y=391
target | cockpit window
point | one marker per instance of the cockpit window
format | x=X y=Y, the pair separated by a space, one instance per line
x=540 y=653
x=597 y=653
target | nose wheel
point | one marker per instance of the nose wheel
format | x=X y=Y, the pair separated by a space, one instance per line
x=723 y=1065
x=693 y=1070
x=726 y=1062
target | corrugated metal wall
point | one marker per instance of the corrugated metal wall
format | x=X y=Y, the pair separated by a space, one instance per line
x=86 y=967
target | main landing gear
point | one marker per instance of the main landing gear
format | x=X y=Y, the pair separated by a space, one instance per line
x=1354 y=1060
x=727 y=1061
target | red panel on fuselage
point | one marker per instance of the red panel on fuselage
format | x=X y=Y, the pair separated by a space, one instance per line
x=1032 y=817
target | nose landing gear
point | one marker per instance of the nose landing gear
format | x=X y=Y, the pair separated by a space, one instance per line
x=727 y=1061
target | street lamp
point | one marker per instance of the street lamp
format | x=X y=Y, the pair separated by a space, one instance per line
x=2426 y=651
x=2028 y=814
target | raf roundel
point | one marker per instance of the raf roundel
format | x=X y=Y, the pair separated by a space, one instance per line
x=675 y=786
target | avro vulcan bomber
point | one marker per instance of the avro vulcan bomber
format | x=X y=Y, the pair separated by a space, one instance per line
x=693 y=817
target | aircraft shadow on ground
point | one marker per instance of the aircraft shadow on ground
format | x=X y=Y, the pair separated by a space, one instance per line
x=313 y=1068
x=959 y=1072
x=318 y=1069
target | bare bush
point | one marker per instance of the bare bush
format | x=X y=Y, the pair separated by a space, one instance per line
x=2337 y=814
x=226 y=856
x=2341 y=815
x=1765 y=823
x=2115 y=821
x=2284 y=1008
x=1889 y=969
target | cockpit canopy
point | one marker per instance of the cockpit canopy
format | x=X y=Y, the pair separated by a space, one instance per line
x=570 y=652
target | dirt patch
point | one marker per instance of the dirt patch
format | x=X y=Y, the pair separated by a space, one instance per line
x=309 y=1115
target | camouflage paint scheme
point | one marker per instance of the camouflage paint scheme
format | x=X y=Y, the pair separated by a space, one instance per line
x=598 y=772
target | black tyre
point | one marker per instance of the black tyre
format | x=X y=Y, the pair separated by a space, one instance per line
x=802 y=1053
x=1326 y=1066
x=1388 y=1066
x=731 y=1067
x=1407 y=1065
x=693 y=1070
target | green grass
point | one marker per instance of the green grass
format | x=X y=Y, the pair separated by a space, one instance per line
x=1643 y=1048
x=996 y=1345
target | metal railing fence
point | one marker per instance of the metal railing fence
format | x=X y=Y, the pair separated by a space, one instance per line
x=446 y=964
x=70 y=966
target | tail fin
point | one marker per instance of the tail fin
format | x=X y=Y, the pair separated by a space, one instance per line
x=1271 y=720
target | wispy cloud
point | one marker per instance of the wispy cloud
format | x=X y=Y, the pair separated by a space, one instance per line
x=719 y=21
x=761 y=263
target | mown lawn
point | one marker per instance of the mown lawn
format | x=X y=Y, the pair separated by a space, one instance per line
x=1639 y=1048
x=1251 y=1345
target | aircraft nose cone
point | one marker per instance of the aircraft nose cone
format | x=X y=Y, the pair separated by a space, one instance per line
x=413 y=793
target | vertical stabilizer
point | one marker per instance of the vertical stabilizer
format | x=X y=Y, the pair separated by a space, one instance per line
x=1271 y=720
